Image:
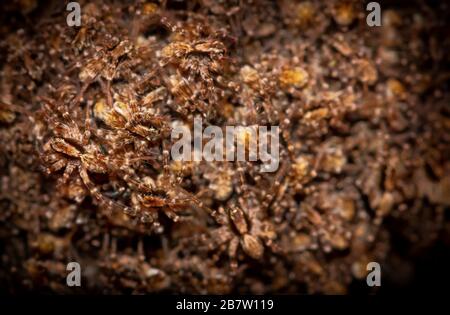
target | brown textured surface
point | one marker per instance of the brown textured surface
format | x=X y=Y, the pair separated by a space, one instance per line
x=85 y=118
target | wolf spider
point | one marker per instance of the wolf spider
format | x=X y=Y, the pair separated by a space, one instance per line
x=244 y=229
x=105 y=62
x=131 y=119
x=102 y=66
x=166 y=195
x=198 y=58
x=201 y=57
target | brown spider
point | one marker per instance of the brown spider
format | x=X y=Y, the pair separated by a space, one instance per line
x=165 y=194
x=196 y=63
x=130 y=118
x=102 y=65
x=149 y=203
x=199 y=58
x=203 y=58
x=68 y=142
x=185 y=94
x=244 y=229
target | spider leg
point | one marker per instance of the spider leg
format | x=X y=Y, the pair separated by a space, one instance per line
x=70 y=167
x=192 y=198
x=87 y=124
x=171 y=214
x=166 y=168
x=94 y=191
x=150 y=217
x=128 y=178
x=106 y=88
x=55 y=167
x=79 y=97
x=232 y=251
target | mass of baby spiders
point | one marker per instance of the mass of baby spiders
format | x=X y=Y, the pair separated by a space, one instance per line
x=86 y=115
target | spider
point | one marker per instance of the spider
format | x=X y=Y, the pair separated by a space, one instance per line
x=166 y=195
x=187 y=95
x=196 y=64
x=201 y=58
x=131 y=119
x=148 y=204
x=105 y=62
x=102 y=65
x=242 y=229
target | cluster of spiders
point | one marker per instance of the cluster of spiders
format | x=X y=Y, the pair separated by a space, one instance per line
x=86 y=116
x=116 y=133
